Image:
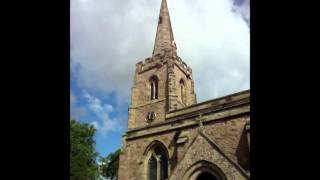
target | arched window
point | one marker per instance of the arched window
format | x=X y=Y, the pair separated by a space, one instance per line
x=154 y=87
x=157 y=163
x=163 y=167
x=182 y=92
x=152 y=166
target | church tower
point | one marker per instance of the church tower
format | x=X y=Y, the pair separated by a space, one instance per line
x=163 y=82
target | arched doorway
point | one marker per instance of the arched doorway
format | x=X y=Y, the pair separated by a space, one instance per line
x=204 y=170
x=206 y=176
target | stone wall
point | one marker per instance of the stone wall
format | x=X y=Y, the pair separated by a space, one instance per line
x=133 y=159
x=190 y=94
x=225 y=132
x=201 y=150
x=141 y=102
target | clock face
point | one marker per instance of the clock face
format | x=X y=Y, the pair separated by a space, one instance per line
x=150 y=116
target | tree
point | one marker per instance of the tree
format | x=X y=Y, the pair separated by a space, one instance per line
x=109 y=165
x=83 y=165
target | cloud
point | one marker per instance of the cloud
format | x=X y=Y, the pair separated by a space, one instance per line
x=76 y=111
x=109 y=37
x=103 y=123
x=242 y=7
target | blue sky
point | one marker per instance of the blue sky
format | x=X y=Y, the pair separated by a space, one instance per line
x=109 y=36
x=108 y=141
x=85 y=108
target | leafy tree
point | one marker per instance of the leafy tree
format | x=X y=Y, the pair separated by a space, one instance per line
x=83 y=165
x=109 y=165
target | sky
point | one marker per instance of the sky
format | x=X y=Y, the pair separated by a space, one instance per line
x=108 y=37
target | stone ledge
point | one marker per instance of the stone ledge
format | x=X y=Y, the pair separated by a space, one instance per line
x=148 y=103
x=210 y=109
x=193 y=114
x=243 y=95
x=189 y=122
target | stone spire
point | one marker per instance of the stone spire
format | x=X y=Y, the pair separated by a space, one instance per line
x=164 y=37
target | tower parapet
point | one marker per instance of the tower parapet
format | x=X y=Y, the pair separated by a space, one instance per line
x=148 y=64
x=183 y=66
x=152 y=62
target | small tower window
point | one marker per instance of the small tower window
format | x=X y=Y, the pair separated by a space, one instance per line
x=182 y=92
x=154 y=87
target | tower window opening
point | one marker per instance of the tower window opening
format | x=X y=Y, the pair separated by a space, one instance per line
x=154 y=87
x=182 y=92
x=160 y=20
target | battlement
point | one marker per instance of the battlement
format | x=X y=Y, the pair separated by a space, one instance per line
x=183 y=65
x=151 y=62
x=147 y=64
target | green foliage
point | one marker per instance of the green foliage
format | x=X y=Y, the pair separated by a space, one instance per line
x=109 y=165
x=83 y=154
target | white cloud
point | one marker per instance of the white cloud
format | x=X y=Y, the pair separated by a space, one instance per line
x=76 y=111
x=243 y=7
x=109 y=37
x=104 y=123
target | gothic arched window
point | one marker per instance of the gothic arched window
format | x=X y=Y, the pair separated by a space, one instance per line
x=182 y=92
x=158 y=164
x=154 y=87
